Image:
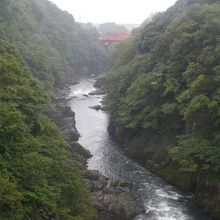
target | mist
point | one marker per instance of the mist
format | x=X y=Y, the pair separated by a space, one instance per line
x=98 y=11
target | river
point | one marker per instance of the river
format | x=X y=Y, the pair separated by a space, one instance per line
x=160 y=200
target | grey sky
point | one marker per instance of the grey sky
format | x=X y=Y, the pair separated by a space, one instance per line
x=119 y=11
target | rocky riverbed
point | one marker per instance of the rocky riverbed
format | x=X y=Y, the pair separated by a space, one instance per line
x=112 y=198
x=160 y=201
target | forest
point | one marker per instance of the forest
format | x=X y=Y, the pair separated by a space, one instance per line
x=41 y=48
x=162 y=101
x=164 y=98
x=53 y=45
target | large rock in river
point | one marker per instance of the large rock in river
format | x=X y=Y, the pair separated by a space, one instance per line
x=112 y=199
x=96 y=107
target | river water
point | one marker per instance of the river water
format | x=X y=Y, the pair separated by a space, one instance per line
x=160 y=200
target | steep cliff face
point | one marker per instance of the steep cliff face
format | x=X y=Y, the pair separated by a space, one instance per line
x=163 y=97
x=149 y=149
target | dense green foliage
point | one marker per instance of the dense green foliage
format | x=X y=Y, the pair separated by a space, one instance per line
x=38 y=178
x=54 y=46
x=36 y=171
x=165 y=80
x=111 y=28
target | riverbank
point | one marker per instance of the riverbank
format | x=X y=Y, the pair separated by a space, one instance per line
x=111 y=198
x=158 y=199
x=152 y=154
x=144 y=147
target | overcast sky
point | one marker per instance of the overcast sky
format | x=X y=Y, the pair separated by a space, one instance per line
x=119 y=11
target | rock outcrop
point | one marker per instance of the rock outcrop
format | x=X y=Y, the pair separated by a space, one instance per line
x=64 y=117
x=111 y=198
x=143 y=147
x=100 y=82
x=96 y=107
x=100 y=86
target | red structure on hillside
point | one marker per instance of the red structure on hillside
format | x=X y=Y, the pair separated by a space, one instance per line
x=115 y=37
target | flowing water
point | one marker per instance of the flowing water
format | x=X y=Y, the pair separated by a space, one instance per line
x=160 y=200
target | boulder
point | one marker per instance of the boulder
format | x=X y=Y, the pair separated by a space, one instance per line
x=112 y=198
x=96 y=107
x=100 y=82
x=97 y=92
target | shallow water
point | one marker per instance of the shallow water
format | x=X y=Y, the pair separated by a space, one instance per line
x=160 y=200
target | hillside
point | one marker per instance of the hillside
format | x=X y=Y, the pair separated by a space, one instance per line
x=54 y=46
x=164 y=99
x=37 y=174
x=41 y=48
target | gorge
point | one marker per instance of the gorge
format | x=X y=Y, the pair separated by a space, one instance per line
x=145 y=145
x=158 y=199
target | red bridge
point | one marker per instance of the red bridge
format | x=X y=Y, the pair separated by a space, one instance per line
x=114 y=38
